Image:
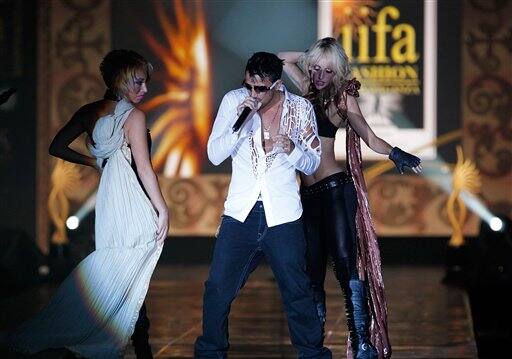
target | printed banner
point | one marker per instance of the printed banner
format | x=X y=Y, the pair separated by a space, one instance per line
x=392 y=48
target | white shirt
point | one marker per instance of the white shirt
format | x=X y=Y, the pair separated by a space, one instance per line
x=270 y=177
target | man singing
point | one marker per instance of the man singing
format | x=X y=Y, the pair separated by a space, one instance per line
x=262 y=211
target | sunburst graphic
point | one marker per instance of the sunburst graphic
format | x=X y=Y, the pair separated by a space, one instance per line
x=65 y=180
x=182 y=130
x=355 y=12
x=466 y=177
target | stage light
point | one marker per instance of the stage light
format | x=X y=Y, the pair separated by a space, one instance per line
x=439 y=172
x=72 y=222
x=496 y=224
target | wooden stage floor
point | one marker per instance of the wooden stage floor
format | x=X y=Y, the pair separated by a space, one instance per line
x=426 y=318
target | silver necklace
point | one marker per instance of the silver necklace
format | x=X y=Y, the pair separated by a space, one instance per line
x=266 y=130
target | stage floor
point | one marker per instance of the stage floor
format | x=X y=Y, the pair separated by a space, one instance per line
x=426 y=318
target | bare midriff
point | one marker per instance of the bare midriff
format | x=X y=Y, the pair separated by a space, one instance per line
x=328 y=165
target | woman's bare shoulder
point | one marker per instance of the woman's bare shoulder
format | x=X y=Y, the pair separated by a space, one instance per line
x=136 y=119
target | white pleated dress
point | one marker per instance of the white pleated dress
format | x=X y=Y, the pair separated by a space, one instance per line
x=95 y=309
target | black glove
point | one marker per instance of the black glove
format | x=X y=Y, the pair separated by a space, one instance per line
x=403 y=159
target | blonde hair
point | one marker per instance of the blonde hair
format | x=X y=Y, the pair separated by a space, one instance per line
x=119 y=69
x=331 y=50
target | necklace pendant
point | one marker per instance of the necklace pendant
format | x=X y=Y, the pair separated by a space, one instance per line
x=266 y=135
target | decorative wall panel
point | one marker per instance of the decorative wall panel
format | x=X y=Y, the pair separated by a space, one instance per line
x=74 y=35
x=487 y=97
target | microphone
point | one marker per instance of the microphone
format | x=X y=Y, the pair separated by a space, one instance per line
x=246 y=111
x=241 y=119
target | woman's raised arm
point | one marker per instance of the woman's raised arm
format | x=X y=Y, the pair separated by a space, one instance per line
x=292 y=69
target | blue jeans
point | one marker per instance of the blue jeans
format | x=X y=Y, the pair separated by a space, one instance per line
x=239 y=248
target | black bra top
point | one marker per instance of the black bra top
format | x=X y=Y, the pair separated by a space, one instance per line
x=325 y=127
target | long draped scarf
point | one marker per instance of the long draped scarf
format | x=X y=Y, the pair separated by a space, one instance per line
x=368 y=254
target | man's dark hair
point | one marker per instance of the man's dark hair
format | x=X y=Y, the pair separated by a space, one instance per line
x=265 y=65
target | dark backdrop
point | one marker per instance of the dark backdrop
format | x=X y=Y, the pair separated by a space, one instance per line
x=18 y=63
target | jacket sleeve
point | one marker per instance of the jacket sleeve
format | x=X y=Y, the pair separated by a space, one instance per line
x=223 y=141
x=305 y=157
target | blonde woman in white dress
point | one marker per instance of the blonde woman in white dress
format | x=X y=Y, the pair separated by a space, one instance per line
x=94 y=312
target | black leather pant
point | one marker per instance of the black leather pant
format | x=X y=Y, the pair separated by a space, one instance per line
x=329 y=223
x=140 y=334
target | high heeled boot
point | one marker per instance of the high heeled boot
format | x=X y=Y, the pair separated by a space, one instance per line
x=358 y=320
x=140 y=337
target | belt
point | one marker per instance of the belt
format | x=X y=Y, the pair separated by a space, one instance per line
x=332 y=181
